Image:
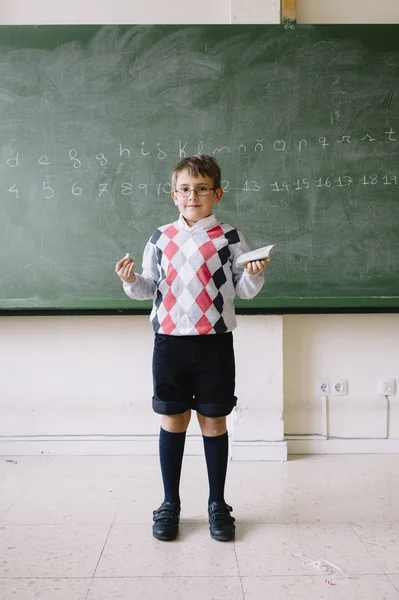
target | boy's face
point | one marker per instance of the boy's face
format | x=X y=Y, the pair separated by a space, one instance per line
x=195 y=206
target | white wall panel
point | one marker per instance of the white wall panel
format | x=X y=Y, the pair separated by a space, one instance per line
x=347 y=11
x=254 y=11
x=14 y=12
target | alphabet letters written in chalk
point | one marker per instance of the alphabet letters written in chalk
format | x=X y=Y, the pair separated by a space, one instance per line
x=115 y=157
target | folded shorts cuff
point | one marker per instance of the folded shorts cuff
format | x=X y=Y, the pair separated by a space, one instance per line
x=216 y=410
x=169 y=408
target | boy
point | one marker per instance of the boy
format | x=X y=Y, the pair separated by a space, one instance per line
x=189 y=269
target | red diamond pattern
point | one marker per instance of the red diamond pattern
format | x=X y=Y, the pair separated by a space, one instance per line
x=169 y=300
x=215 y=232
x=203 y=326
x=171 y=231
x=168 y=325
x=170 y=250
x=171 y=274
x=204 y=274
x=207 y=250
x=203 y=300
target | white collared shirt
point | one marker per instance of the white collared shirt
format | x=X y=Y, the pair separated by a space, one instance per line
x=205 y=223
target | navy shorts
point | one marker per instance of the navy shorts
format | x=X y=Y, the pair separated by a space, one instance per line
x=194 y=372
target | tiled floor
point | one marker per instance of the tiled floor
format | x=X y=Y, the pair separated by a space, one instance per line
x=77 y=528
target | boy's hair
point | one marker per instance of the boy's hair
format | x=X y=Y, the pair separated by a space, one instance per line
x=199 y=164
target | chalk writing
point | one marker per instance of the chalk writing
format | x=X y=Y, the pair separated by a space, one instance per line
x=142 y=150
x=259 y=145
x=325 y=183
x=249 y=186
x=279 y=145
x=47 y=188
x=182 y=149
x=344 y=181
x=369 y=137
x=300 y=144
x=101 y=158
x=73 y=157
x=218 y=150
x=300 y=185
x=127 y=189
x=76 y=190
x=161 y=153
x=388 y=181
x=14 y=190
x=14 y=161
x=370 y=180
x=123 y=150
x=323 y=142
x=103 y=187
x=275 y=187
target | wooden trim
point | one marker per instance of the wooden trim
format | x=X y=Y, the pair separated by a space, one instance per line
x=288 y=10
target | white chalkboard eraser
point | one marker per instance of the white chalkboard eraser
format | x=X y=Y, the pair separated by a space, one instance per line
x=261 y=254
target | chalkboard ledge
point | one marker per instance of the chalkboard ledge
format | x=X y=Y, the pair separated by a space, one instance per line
x=263 y=306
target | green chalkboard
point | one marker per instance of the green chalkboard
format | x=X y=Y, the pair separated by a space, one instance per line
x=304 y=121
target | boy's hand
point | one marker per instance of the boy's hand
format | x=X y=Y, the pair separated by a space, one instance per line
x=125 y=269
x=256 y=266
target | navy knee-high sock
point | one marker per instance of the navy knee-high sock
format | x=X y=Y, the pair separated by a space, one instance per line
x=216 y=455
x=171 y=449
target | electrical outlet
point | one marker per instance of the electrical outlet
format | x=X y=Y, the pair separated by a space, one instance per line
x=322 y=387
x=386 y=386
x=339 y=387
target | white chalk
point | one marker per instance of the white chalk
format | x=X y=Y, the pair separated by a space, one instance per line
x=127 y=255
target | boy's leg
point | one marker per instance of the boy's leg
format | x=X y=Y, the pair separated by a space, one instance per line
x=216 y=446
x=172 y=399
x=171 y=448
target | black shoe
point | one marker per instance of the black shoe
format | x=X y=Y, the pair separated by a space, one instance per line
x=166 y=521
x=221 y=523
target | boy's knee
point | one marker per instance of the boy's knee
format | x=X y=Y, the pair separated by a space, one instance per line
x=176 y=423
x=212 y=426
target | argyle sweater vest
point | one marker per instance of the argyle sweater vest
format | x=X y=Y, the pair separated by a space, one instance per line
x=192 y=278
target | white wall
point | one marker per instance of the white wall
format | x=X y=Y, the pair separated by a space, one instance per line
x=83 y=384
x=348 y=11
x=16 y=12
x=359 y=348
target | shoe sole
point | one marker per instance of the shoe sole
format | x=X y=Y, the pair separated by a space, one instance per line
x=164 y=538
x=220 y=538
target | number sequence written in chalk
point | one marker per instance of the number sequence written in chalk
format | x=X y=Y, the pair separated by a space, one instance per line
x=249 y=186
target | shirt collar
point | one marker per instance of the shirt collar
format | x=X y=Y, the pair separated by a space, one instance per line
x=206 y=223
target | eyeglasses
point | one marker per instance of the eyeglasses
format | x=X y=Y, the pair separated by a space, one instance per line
x=185 y=191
